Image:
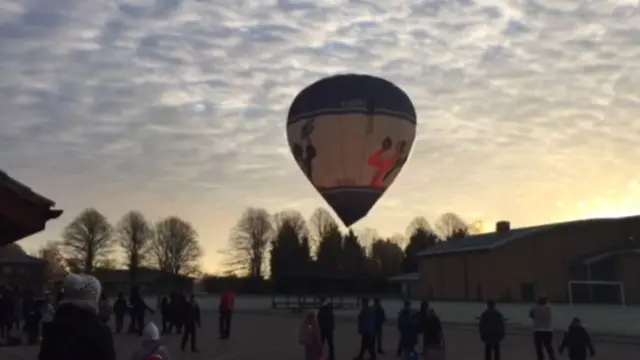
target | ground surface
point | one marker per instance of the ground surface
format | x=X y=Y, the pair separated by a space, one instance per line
x=259 y=337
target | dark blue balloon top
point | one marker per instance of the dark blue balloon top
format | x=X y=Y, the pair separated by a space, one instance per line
x=351 y=93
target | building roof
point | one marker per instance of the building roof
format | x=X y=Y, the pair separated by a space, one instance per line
x=23 y=191
x=492 y=240
x=14 y=254
x=414 y=276
x=144 y=275
x=595 y=257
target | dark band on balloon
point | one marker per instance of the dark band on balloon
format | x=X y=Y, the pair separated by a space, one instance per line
x=318 y=113
x=351 y=93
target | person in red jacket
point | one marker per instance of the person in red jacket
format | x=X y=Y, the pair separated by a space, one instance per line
x=225 y=310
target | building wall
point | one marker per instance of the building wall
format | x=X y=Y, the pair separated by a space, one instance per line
x=27 y=276
x=539 y=264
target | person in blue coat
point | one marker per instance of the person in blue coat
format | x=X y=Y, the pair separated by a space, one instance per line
x=366 y=329
x=409 y=329
x=380 y=319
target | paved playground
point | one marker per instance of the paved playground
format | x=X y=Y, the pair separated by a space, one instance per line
x=259 y=337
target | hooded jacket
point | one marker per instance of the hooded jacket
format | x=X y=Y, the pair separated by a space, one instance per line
x=366 y=321
x=326 y=319
x=76 y=333
x=151 y=345
x=409 y=328
x=491 y=327
x=578 y=341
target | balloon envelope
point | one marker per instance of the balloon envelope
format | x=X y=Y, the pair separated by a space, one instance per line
x=351 y=135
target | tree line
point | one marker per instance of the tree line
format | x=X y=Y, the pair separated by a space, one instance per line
x=90 y=241
x=285 y=247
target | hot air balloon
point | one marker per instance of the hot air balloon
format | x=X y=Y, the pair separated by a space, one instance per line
x=351 y=135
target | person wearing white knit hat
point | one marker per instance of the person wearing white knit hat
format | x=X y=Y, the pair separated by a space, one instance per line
x=76 y=331
x=151 y=348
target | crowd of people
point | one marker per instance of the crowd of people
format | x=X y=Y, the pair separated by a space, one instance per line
x=424 y=326
x=76 y=325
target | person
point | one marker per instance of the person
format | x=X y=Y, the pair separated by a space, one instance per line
x=120 y=309
x=422 y=314
x=138 y=311
x=4 y=315
x=165 y=314
x=104 y=309
x=366 y=329
x=7 y=314
x=225 y=309
x=409 y=328
x=380 y=319
x=151 y=347
x=175 y=312
x=309 y=337
x=31 y=313
x=405 y=311
x=542 y=328
x=326 y=323
x=433 y=338
x=578 y=341
x=47 y=311
x=191 y=320
x=76 y=331
x=492 y=330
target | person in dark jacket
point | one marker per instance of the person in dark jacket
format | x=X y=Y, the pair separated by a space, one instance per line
x=138 y=311
x=578 y=341
x=31 y=313
x=326 y=323
x=492 y=330
x=76 y=330
x=120 y=309
x=408 y=324
x=225 y=313
x=380 y=319
x=191 y=318
x=165 y=312
x=366 y=329
x=4 y=317
x=432 y=336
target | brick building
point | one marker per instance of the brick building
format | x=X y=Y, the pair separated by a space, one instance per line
x=521 y=264
x=19 y=270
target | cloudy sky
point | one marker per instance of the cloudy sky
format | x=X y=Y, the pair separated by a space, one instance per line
x=528 y=110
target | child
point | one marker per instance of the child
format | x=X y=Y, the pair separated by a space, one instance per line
x=152 y=348
x=309 y=337
x=577 y=340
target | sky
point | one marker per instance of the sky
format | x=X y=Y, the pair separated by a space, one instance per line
x=527 y=110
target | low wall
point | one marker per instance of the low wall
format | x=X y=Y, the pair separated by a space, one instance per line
x=614 y=320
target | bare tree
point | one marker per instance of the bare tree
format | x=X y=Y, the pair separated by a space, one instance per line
x=55 y=264
x=450 y=226
x=321 y=225
x=108 y=263
x=175 y=248
x=418 y=223
x=249 y=241
x=398 y=239
x=293 y=220
x=367 y=237
x=134 y=236
x=87 y=239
